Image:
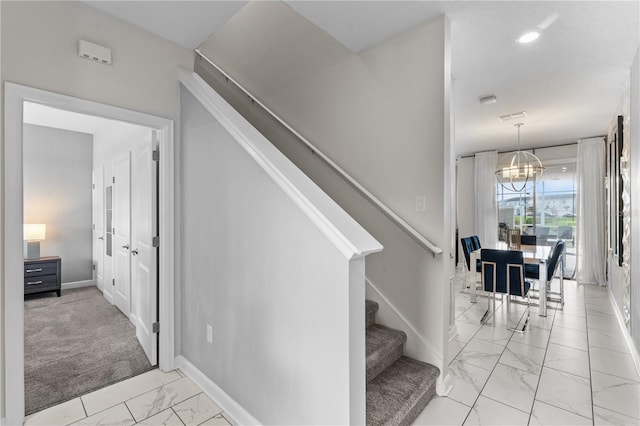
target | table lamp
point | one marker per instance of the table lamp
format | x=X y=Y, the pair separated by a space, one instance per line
x=33 y=234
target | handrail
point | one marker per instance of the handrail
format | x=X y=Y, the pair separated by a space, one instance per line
x=392 y=215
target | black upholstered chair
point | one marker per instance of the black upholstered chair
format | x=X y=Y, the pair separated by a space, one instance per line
x=528 y=240
x=467 y=248
x=503 y=272
x=553 y=261
x=475 y=241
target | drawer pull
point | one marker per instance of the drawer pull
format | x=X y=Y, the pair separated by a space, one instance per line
x=34 y=282
x=34 y=270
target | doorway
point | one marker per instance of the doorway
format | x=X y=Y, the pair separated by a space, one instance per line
x=12 y=208
x=82 y=343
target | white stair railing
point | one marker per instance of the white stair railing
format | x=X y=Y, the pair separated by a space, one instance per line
x=412 y=232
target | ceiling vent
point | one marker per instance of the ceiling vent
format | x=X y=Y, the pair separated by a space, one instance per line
x=488 y=99
x=95 y=52
x=513 y=115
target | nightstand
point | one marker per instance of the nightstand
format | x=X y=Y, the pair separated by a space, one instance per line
x=42 y=274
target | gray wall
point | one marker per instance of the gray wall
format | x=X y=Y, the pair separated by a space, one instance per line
x=273 y=286
x=381 y=116
x=57 y=192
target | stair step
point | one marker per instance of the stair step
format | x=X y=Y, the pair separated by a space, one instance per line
x=371 y=309
x=384 y=347
x=400 y=393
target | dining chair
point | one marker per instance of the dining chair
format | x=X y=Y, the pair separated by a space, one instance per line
x=554 y=260
x=467 y=248
x=475 y=240
x=528 y=240
x=503 y=272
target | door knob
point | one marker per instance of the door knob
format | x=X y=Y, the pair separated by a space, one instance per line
x=126 y=246
x=101 y=238
x=134 y=252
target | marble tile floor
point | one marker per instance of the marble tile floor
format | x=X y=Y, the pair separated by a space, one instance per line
x=571 y=368
x=152 y=398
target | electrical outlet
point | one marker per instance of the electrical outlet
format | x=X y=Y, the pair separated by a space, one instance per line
x=421 y=203
x=209 y=333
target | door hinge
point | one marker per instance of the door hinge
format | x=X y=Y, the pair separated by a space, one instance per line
x=113 y=179
x=93 y=226
x=156 y=155
x=93 y=186
x=156 y=327
x=113 y=230
x=93 y=266
x=113 y=281
x=156 y=241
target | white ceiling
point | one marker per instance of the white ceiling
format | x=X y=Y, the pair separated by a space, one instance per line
x=569 y=81
x=187 y=23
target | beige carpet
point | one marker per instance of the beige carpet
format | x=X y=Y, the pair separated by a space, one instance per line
x=75 y=344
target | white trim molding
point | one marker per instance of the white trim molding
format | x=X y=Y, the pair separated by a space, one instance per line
x=417 y=346
x=232 y=409
x=12 y=218
x=78 y=284
x=625 y=331
x=342 y=230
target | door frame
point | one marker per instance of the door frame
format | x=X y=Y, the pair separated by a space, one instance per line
x=100 y=212
x=11 y=209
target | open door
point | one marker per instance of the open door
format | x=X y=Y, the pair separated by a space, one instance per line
x=122 y=233
x=144 y=259
x=98 y=234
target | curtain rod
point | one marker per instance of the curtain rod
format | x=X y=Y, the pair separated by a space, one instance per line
x=540 y=147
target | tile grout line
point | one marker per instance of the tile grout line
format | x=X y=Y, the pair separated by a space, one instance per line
x=129 y=410
x=84 y=408
x=114 y=405
x=171 y=406
x=135 y=396
x=492 y=370
x=593 y=413
x=544 y=358
x=177 y=415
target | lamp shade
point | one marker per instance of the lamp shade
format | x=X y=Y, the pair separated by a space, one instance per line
x=34 y=231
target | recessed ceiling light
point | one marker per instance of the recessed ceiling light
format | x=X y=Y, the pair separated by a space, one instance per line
x=528 y=37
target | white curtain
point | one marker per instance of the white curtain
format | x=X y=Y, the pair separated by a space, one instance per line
x=485 y=192
x=590 y=232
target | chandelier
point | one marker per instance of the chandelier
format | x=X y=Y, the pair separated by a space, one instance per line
x=517 y=169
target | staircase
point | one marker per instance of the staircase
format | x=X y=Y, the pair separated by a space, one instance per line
x=398 y=387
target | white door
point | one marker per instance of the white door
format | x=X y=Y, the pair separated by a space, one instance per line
x=122 y=233
x=98 y=236
x=144 y=257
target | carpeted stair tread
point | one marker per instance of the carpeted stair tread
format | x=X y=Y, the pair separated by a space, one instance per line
x=371 y=309
x=400 y=393
x=384 y=347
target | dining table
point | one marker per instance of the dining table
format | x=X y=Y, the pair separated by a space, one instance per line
x=532 y=254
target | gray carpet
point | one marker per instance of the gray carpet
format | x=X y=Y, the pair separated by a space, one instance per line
x=398 y=388
x=75 y=344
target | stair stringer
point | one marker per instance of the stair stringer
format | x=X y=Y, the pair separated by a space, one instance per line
x=416 y=346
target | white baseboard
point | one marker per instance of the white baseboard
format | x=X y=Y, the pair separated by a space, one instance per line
x=627 y=336
x=78 y=284
x=453 y=332
x=444 y=385
x=232 y=410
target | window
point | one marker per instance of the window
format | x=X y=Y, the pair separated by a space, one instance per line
x=547 y=210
